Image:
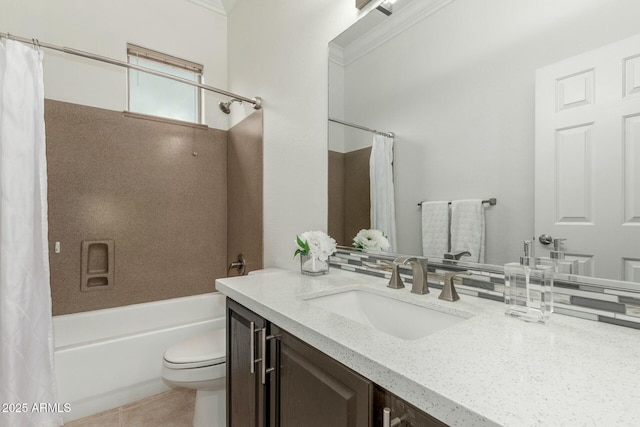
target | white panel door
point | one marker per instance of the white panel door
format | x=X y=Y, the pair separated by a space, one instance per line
x=587 y=158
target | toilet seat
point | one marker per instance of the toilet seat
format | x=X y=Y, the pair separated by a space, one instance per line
x=208 y=349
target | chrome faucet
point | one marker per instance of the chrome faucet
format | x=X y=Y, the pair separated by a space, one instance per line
x=420 y=273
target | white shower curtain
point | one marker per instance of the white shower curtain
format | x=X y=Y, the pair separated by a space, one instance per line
x=26 y=337
x=383 y=206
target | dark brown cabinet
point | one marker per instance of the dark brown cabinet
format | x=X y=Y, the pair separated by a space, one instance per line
x=293 y=384
x=246 y=397
x=314 y=390
x=296 y=386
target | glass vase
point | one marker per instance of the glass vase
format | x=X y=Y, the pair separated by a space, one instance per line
x=313 y=266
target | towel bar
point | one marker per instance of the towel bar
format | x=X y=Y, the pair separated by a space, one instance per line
x=492 y=201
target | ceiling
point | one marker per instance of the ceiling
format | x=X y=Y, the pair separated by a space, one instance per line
x=222 y=7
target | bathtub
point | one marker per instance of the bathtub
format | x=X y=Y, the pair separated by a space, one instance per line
x=108 y=358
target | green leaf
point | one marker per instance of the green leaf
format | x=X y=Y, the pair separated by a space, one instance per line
x=304 y=247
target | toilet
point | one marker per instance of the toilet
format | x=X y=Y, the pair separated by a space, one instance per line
x=199 y=363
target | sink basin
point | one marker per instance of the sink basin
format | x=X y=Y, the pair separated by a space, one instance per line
x=386 y=314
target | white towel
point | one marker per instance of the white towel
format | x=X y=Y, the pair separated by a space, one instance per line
x=435 y=229
x=467 y=229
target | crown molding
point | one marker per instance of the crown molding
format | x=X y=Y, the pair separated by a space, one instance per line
x=214 y=5
x=398 y=22
x=336 y=54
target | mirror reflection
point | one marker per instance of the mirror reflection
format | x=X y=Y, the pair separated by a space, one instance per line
x=456 y=82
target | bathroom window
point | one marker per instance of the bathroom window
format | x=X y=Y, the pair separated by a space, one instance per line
x=159 y=96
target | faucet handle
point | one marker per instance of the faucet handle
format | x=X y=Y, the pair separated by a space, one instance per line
x=396 y=281
x=448 y=289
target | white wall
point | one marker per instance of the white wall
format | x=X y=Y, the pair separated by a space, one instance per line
x=278 y=50
x=175 y=27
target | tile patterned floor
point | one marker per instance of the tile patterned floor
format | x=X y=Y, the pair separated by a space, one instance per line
x=173 y=408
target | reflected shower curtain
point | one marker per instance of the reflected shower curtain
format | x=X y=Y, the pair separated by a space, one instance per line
x=26 y=337
x=383 y=206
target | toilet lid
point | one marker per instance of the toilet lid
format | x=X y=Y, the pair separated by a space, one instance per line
x=208 y=347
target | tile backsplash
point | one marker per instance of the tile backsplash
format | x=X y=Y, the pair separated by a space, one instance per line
x=571 y=298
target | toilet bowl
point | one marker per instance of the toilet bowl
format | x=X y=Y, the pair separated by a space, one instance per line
x=199 y=363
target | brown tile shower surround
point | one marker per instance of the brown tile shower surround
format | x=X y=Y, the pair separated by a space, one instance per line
x=577 y=299
x=349 y=193
x=244 y=192
x=157 y=189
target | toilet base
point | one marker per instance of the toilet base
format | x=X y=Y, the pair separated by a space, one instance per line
x=211 y=408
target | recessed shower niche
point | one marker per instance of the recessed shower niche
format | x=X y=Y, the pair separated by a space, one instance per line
x=97 y=265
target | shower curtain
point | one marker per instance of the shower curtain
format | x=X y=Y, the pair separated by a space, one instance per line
x=27 y=383
x=383 y=206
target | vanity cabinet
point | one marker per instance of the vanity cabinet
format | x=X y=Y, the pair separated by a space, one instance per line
x=246 y=396
x=297 y=385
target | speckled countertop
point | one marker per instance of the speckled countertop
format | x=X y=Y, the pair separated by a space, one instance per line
x=487 y=370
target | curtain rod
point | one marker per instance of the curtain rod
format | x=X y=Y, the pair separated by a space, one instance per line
x=257 y=101
x=492 y=201
x=387 y=134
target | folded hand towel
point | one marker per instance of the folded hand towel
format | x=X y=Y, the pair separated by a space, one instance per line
x=467 y=229
x=435 y=229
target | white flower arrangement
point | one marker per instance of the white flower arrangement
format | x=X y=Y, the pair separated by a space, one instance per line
x=317 y=244
x=371 y=240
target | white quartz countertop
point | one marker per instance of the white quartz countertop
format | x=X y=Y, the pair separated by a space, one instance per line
x=487 y=370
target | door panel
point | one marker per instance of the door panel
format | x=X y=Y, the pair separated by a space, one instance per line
x=587 y=156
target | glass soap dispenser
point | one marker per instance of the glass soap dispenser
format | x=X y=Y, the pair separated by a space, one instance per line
x=557 y=260
x=528 y=292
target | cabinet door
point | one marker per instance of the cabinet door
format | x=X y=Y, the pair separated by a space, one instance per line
x=246 y=398
x=409 y=415
x=313 y=390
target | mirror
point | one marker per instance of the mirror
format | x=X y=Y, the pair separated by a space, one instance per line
x=455 y=81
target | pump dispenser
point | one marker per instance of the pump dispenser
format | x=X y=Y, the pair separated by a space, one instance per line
x=528 y=258
x=528 y=293
x=557 y=260
x=557 y=252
